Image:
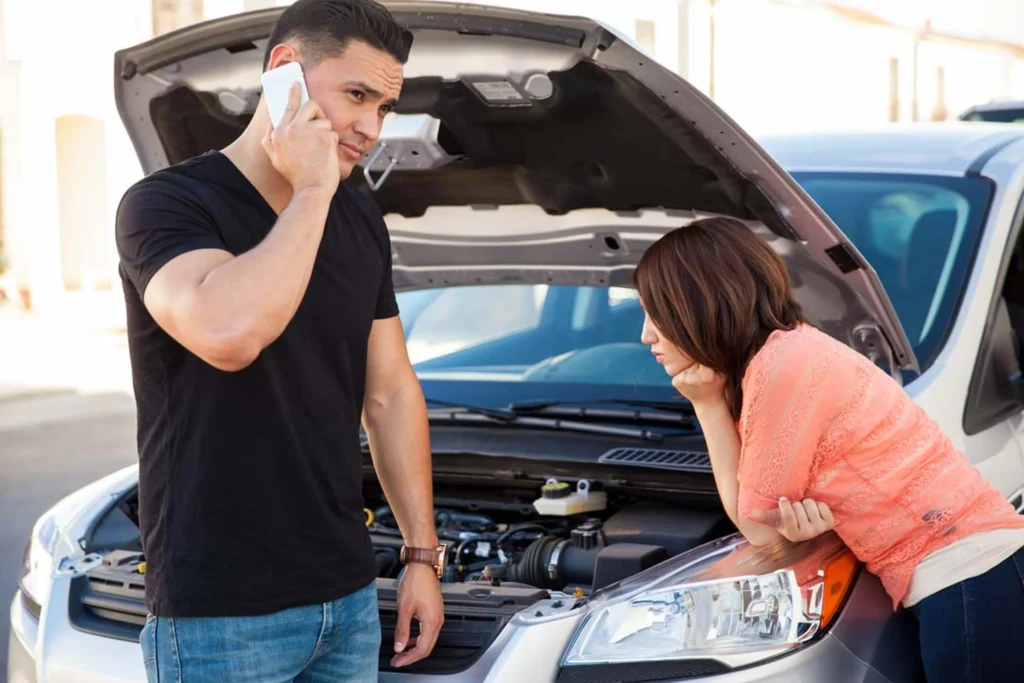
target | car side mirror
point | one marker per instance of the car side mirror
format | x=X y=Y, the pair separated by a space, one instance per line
x=997 y=386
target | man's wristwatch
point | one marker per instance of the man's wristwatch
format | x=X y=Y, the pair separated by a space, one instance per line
x=435 y=557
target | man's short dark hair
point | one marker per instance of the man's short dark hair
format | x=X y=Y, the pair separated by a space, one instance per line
x=324 y=28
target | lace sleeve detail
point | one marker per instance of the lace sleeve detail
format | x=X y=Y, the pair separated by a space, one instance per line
x=793 y=390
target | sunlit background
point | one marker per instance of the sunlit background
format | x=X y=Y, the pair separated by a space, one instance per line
x=772 y=64
x=67 y=413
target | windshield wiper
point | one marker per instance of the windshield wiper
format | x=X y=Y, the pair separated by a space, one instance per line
x=503 y=414
x=448 y=411
x=670 y=412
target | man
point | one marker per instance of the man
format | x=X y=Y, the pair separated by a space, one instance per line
x=263 y=327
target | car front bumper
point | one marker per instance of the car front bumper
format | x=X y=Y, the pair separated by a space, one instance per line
x=21 y=663
x=532 y=654
x=862 y=647
x=50 y=650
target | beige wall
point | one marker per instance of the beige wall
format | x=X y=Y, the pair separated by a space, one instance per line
x=51 y=71
x=66 y=158
x=2 y=234
x=169 y=15
x=82 y=211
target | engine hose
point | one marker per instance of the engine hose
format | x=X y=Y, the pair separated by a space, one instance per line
x=442 y=534
x=553 y=562
x=446 y=517
x=518 y=528
x=462 y=546
x=532 y=567
x=442 y=517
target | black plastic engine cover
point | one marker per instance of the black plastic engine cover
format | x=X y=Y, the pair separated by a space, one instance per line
x=622 y=560
x=677 y=530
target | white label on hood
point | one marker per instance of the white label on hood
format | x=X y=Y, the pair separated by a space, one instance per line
x=498 y=91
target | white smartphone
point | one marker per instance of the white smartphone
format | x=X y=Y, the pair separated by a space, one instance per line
x=276 y=85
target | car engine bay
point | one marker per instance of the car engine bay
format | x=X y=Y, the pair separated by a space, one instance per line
x=573 y=538
x=509 y=546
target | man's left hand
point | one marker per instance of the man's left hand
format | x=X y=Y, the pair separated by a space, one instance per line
x=419 y=597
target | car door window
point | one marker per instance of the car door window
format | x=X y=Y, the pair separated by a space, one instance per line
x=918 y=233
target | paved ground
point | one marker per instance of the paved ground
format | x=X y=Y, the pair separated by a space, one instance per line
x=79 y=344
x=66 y=418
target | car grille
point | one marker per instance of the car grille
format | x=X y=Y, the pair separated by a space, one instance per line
x=109 y=601
x=474 y=615
x=461 y=642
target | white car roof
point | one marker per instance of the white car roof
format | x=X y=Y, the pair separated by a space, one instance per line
x=953 y=148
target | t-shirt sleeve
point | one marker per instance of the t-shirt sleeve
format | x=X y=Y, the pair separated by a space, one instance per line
x=792 y=396
x=387 y=304
x=155 y=223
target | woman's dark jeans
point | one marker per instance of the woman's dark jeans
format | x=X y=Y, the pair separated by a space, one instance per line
x=973 y=631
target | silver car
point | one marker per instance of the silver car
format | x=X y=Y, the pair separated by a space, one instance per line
x=531 y=161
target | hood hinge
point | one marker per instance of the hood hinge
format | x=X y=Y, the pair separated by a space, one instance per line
x=869 y=340
x=76 y=566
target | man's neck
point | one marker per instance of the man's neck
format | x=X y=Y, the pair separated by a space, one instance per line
x=247 y=153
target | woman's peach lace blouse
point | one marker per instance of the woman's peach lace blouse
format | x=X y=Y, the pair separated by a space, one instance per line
x=820 y=420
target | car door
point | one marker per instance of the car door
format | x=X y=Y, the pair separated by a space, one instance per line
x=993 y=419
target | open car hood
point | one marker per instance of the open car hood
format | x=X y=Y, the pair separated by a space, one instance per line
x=526 y=148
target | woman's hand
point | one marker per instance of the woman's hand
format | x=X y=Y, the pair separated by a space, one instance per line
x=700 y=384
x=799 y=521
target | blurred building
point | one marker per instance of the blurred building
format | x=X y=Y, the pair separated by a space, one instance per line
x=772 y=64
x=65 y=159
x=777 y=65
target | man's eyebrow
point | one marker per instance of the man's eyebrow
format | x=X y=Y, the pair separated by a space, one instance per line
x=371 y=91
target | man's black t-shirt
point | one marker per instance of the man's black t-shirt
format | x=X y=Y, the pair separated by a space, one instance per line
x=250 y=482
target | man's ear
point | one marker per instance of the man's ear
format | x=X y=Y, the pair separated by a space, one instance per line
x=282 y=54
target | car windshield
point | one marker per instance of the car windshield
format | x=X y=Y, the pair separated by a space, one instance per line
x=493 y=344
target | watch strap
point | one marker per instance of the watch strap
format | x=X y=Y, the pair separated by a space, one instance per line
x=420 y=556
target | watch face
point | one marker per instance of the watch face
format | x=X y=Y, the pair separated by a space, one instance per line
x=442 y=560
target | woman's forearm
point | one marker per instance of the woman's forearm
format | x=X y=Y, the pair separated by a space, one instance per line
x=723 y=442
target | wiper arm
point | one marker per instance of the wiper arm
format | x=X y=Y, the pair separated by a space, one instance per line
x=458 y=412
x=502 y=414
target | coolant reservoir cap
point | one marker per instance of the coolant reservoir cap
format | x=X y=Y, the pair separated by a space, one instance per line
x=555 y=489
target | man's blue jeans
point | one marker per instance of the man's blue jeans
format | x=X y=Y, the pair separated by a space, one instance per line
x=334 y=641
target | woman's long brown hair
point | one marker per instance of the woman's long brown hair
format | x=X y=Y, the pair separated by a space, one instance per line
x=716 y=290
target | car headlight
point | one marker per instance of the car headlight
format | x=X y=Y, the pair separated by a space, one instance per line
x=729 y=602
x=37 y=562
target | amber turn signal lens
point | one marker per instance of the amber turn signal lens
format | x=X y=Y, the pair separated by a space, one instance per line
x=839 y=575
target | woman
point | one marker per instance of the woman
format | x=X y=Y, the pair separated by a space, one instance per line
x=789 y=413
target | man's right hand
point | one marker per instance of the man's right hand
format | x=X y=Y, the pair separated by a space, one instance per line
x=303 y=147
